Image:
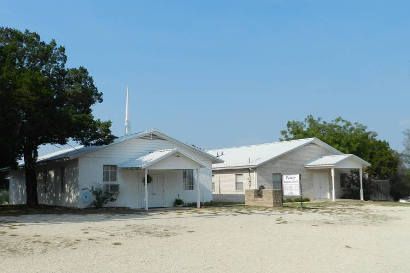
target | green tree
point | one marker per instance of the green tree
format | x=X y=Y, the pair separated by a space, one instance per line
x=400 y=183
x=42 y=101
x=406 y=143
x=350 y=138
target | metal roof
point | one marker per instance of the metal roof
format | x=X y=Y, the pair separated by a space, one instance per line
x=79 y=150
x=255 y=155
x=148 y=159
x=332 y=160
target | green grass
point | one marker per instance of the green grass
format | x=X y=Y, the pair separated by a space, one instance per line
x=16 y=210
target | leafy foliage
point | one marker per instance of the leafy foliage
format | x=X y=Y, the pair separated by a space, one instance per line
x=178 y=202
x=42 y=101
x=102 y=197
x=350 y=138
x=406 y=143
x=297 y=199
x=400 y=184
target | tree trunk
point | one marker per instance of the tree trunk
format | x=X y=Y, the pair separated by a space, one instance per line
x=30 y=161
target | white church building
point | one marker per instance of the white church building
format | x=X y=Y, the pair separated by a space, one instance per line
x=146 y=169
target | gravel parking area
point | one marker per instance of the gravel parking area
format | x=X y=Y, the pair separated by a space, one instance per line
x=323 y=237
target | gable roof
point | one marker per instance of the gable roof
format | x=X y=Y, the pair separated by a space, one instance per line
x=332 y=160
x=75 y=152
x=148 y=159
x=256 y=155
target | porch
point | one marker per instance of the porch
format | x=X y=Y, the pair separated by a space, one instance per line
x=164 y=175
x=336 y=164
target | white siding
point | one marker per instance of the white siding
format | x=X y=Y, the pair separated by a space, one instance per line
x=293 y=163
x=225 y=181
x=130 y=181
x=52 y=194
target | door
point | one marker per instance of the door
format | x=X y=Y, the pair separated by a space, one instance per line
x=321 y=185
x=156 y=191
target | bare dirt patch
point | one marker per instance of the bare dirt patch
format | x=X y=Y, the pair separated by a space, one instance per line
x=321 y=237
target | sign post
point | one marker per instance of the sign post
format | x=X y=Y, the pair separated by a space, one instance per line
x=292 y=186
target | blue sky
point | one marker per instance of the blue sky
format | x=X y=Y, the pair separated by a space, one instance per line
x=227 y=73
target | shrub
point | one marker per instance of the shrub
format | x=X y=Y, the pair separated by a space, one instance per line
x=4 y=197
x=297 y=199
x=101 y=197
x=178 y=202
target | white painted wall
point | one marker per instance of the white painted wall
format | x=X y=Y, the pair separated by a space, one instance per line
x=53 y=193
x=225 y=181
x=291 y=163
x=130 y=181
x=87 y=171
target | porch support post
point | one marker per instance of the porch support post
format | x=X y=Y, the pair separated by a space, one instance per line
x=361 y=184
x=146 y=188
x=198 y=198
x=332 y=171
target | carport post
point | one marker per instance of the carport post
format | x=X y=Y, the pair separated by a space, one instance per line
x=332 y=171
x=361 y=184
x=198 y=198
x=146 y=188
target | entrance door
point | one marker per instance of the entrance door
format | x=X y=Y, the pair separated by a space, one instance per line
x=321 y=185
x=156 y=191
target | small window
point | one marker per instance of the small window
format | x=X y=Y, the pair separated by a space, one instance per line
x=188 y=177
x=42 y=176
x=62 y=179
x=112 y=188
x=277 y=181
x=239 y=182
x=109 y=173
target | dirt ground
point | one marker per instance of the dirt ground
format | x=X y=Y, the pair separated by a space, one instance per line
x=323 y=237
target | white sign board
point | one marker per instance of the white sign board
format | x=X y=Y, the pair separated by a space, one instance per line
x=291 y=185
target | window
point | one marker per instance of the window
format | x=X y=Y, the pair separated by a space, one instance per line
x=112 y=188
x=42 y=176
x=188 y=177
x=109 y=176
x=109 y=173
x=276 y=181
x=62 y=179
x=239 y=182
x=213 y=183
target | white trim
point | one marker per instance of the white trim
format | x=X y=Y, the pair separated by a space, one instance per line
x=198 y=190
x=361 y=184
x=332 y=173
x=146 y=188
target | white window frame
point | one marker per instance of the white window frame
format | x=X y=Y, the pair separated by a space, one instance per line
x=110 y=178
x=188 y=179
x=112 y=172
x=237 y=182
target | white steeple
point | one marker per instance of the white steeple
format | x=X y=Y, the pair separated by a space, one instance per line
x=127 y=122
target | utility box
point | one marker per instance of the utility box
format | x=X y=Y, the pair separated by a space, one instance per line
x=264 y=198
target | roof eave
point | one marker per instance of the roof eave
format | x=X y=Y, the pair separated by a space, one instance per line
x=234 y=167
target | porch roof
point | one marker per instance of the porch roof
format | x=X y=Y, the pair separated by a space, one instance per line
x=151 y=158
x=332 y=161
